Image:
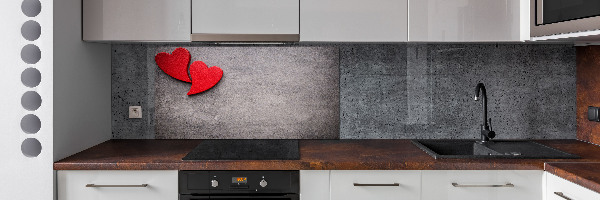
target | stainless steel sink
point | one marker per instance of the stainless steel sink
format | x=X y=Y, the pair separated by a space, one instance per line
x=493 y=149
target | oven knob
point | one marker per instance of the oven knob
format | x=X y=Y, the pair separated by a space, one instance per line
x=214 y=183
x=263 y=183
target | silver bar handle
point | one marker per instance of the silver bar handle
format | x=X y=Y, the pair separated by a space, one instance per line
x=505 y=185
x=378 y=185
x=560 y=194
x=94 y=185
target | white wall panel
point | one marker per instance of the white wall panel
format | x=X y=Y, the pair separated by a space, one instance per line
x=74 y=75
x=24 y=177
x=82 y=84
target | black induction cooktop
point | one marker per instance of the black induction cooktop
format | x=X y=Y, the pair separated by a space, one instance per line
x=245 y=150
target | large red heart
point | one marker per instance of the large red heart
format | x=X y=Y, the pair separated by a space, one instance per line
x=175 y=64
x=203 y=77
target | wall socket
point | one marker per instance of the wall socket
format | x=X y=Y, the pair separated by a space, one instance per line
x=135 y=112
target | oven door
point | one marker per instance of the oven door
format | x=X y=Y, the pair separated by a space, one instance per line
x=237 y=197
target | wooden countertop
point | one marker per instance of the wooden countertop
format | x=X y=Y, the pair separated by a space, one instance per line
x=581 y=173
x=314 y=155
x=332 y=155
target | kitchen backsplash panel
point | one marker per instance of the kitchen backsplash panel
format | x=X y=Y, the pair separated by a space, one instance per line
x=354 y=91
x=265 y=92
x=427 y=90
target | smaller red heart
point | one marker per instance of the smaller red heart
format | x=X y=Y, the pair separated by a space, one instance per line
x=203 y=77
x=175 y=64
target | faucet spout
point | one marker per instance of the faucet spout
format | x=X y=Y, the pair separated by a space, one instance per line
x=486 y=132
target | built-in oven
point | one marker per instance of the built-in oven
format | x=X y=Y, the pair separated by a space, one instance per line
x=235 y=185
x=554 y=17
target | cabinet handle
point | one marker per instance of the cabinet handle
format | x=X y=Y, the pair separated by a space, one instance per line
x=560 y=194
x=505 y=185
x=361 y=184
x=94 y=185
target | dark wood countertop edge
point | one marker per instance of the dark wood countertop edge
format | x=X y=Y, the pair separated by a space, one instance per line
x=296 y=165
x=572 y=177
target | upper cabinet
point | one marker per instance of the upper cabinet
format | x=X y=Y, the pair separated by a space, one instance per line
x=245 y=20
x=354 y=20
x=468 y=20
x=136 y=20
x=307 y=20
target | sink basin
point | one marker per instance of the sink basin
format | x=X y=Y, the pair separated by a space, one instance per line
x=495 y=149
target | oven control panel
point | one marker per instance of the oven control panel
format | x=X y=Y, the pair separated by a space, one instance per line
x=223 y=182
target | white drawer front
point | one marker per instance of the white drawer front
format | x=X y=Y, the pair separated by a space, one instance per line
x=162 y=185
x=343 y=188
x=476 y=184
x=567 y=188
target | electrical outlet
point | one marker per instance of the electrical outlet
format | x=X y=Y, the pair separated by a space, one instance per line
x=135 y=112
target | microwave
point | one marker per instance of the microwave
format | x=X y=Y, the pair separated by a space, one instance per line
x=564 y=17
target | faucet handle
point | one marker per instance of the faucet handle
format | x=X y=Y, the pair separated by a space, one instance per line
x=491 y=124
x=491 y=134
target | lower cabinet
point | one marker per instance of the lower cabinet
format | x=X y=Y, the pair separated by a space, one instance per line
x=314 y=184
x=375 y=185
x=117 y=185
x=340 y=185
x=421 y=185
x=561 y=189
x=482 y=184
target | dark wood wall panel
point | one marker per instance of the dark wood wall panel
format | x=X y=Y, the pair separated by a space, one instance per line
x=588 y=92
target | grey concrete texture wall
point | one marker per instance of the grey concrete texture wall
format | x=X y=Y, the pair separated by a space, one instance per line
x=390 y=91
x=266 y=92
x=426 y=91
x=132 y=85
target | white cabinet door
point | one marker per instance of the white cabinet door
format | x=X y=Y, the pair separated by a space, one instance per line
x=375 y=185
x=354 y=20
x=136 y=20
x=246 y=16
x=117 y=185
x=468 y=20
x=314 y=184
x=561 y=189
x=482 y=184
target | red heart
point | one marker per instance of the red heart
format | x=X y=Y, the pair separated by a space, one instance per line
x=175 y=64
x=203 y=77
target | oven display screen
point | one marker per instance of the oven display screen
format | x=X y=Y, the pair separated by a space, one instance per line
x=239 y=180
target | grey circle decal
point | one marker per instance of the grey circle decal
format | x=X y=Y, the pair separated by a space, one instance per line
x=31 y=124
x=31 y=100
x=31 y=77
x=31 y=147
x=31 y=30
x=31 y=54
x=31 y=8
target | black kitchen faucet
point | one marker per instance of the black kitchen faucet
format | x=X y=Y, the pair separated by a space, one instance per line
x=486 y=129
